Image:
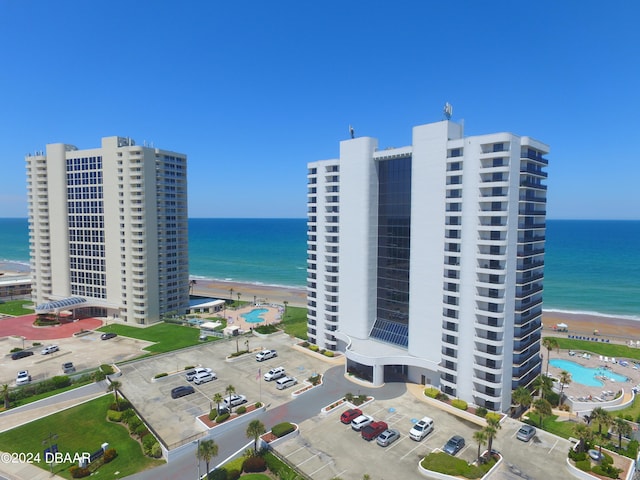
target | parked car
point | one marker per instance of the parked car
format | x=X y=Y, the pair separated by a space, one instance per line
x=23 y=377
x=372 y=430
x=234 y=401
x=421 y=429
x=181 y=391
x=21 y=354
x=454 y=445
x=349 y=415
x=285 y=382
x=68 y=367
x=360 y=422
x=526 y=433
x=204 y=377
x=108 y=335
x=266 y=355
x=387 y=437
x=191 y=374
x=274 y=374
x=49 y=349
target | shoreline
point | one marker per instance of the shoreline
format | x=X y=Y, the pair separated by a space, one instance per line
x=578 y=321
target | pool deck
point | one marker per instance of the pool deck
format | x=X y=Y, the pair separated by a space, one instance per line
x=272 y=315
x=596 y=395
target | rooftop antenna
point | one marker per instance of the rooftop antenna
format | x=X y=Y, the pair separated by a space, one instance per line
x=352 y=132
x=448 y=111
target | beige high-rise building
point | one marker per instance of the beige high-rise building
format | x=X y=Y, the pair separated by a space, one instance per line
x=108 y=230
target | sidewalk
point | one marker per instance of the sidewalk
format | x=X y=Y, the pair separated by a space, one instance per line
x=28 y=413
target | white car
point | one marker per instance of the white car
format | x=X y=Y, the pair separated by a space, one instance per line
x=23 y=377
x=274 y=374
x=421 y=429
x=360 y=422
x=204 y=377
x=234 y=401
x=191 y=374
x=49 y=349
x=286 y=382
x=266 y=355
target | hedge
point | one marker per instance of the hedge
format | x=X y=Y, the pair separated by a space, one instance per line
x=461 y=404
x=281 y=429
x=114 y=415
x=431 y=392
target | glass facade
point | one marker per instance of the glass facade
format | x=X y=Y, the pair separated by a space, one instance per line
x=394 y=246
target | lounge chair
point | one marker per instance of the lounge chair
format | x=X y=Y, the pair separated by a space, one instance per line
x=600 y=358
x=606 y=359
x=613 y=360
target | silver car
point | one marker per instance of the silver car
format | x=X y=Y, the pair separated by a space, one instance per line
x=526 y=433
x=387 y=437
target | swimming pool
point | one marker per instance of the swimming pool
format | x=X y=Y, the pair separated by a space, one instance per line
x=254 y=315
x=586 y=376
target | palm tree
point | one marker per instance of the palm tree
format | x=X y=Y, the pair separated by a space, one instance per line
x=192 y=282
x=481 y=437
x=491 y=430
x=238 y=294
x=231 y=294
x=542 y=384
x=5 y=395
x=584 y=433
x=565 y=379
x=230 y=390
x=549 y=343
x=207 y=449
x=622 y=428
x=542 y=408
x=521 y=396
x=218 y=398
x=114 y=386
x=284 y=313
x=254 y=430
x=601 y=417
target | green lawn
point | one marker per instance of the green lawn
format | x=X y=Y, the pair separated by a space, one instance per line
x=295 y=322
x=81 y=429
x=167 y=336
x=598 y=348
x=14 y=307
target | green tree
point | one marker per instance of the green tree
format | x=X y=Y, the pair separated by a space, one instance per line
x=542 y=408
x=584 y=434
x=207 y=449
x=218 y=398
x=491 y=430
x=601 y=417
x=521 y=396
x=549 y=343
x=622 y=428
x=5 y=395
x=480 y=436
x=565 y=379
x=542 y=384
x=230 y=390
x=114 y=386
x=254 y=430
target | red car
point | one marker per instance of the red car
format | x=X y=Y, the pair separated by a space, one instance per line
x=372 y=430
x=349 y=415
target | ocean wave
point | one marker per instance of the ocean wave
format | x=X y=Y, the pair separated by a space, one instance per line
x=593 y=314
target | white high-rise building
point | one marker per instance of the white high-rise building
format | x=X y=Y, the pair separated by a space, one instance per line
x=108 y=230
x=426 y=262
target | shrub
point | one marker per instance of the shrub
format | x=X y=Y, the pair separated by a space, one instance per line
x=254 y=464
x=305 y=344
x=160 y=375
x=189 y=367
x=233 y=474
x=481 y=412
x=314 y=379
x=237 y=354
x=60 y=381
x=328 y=353
x=584 y=465
x=134 y=422
x=258 y=404
x=109 y=454
x=274 y=464
x=431 y=392
x=607 y=470
x=213 y=414
x=107 y=369
x=99 y=376
x=36 y=344
x=156 y=450
x=282 y=429
x=443 y=397
x=79 y=472
x=577 y=456
x=222 y=418
x=127 y=415
x=241 y=410
x=114 y=416
x=147 y=442
x=218 y=474
x=461 y=404
x=234 y=465
x=16 y=349
x=314 y=348
x=141 y=430
x=493 y=415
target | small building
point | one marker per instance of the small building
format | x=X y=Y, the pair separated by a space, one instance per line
x=14 y=286
x=209 y=306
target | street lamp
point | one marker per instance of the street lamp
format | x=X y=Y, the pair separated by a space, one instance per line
x=198 y=456
x=50 y=447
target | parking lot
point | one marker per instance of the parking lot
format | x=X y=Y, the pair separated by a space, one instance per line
x=175 y=419
x=326 y=448
x=86 y=352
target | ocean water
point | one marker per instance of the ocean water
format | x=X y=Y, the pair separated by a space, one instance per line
x=592 y=266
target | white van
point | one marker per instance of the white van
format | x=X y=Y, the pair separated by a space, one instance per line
x=203 y=377
x=285 y=382
x=421 y=429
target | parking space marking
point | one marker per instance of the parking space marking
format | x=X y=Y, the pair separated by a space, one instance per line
x=310 y=458
x=316 y=471
x=410 y=451
x=295 y=451
x=554 y=446
x=397 y=442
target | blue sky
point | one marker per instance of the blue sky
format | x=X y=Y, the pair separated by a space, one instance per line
x=253 y=90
